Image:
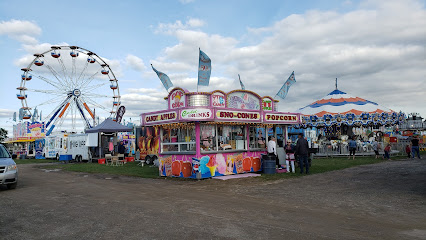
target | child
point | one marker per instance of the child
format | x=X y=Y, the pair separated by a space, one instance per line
x=408 y=151
x=387 y=152
x=289 y=150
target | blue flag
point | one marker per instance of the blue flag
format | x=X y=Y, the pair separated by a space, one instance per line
x=282 y=93
x=164 y=78
x=204 y=69
x=241 y=83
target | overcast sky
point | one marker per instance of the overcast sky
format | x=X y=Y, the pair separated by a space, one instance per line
x=376 y=49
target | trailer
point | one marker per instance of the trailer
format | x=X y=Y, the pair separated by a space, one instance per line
x=148 y=143
x=77 y=147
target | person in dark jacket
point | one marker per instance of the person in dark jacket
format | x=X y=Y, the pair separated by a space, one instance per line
x=121 y=148
x=302 y=150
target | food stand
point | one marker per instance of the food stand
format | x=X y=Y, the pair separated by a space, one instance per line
x=207 y=134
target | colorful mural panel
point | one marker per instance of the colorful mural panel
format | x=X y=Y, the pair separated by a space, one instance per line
x=210 y=165
x=243 y=100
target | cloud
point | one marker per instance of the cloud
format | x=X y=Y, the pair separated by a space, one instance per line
x=140 y=100
x=171 y=28
x=186 y=1
x=6 y=113
x=23 y=31
x=376 y=51
x=135 y=63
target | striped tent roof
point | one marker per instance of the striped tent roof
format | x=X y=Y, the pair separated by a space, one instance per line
x=338 y=102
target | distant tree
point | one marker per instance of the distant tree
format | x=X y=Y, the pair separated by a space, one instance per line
x=3 y=134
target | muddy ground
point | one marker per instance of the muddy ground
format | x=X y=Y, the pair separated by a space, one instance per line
x=379 y=201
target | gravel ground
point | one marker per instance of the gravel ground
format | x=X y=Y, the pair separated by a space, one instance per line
x=379 y=201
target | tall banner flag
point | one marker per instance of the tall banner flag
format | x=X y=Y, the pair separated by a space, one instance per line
x=164 y=78
x=120 y=112
x=282 y=93
x=241 y=83
x=14 y=116
x=204 y=69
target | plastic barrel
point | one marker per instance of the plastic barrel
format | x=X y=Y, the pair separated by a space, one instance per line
x=268 y=164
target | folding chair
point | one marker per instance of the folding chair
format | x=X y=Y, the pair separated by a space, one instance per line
x=108 y=159
x=121 y=159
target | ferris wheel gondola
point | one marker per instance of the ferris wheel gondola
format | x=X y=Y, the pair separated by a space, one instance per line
x=70 y=87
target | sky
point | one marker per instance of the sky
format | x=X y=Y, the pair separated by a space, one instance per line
x=376 y=49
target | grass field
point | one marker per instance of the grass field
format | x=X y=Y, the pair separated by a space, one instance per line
x=128 y=169
x=319 y=165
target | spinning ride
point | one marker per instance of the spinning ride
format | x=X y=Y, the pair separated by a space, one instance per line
x=68 y=82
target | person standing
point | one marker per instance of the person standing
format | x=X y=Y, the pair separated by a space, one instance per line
x=121 y=148
x=415 y=147
x=352 y=148
x=272 y=150
x=408 y=151
x=375 y=148
x=302 y=151
x=289 y=153
x=387 y=152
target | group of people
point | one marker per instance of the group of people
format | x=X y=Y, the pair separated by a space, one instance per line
x=300 y=151
x=414 y=149
x=375 y=145
x=411 y=150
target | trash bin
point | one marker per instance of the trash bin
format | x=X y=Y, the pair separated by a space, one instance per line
x=268 y=164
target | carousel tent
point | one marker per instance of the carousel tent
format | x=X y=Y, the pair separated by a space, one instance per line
x=338 y=102
x=339 y=108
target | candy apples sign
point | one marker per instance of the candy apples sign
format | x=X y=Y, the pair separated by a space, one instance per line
x=160 y=117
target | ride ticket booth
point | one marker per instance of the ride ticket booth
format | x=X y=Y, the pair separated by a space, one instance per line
x=207 y=134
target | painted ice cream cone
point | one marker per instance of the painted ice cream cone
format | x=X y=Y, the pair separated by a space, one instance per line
x=212 y=170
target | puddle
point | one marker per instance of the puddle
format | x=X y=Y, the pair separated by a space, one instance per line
x=51 y=170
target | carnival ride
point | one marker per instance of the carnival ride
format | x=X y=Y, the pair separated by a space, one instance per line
x=338 y=116
x=71 y=83
x=341 y=109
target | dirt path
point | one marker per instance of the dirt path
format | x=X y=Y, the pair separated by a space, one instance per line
x=380 y=201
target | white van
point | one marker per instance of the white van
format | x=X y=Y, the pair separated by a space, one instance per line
x=77 y=147
x=56 y=144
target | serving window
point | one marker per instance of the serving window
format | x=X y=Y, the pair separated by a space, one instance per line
x=178 y=140
x=222 y=137
x=257 y=137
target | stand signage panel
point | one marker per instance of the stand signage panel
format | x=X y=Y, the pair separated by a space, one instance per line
x=196 y=114
x=284 y=118
x=162 y=117
x=239 y=116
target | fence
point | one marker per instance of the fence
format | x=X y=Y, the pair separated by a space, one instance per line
x=363 y=149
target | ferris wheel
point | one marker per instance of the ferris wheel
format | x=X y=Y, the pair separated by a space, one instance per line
x=72 y=85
